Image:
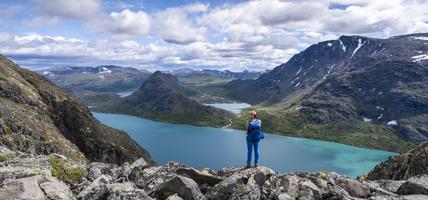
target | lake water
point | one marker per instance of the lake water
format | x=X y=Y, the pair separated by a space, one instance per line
x=217 y=148
x=233 y=107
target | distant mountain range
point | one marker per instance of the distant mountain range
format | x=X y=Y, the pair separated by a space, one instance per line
x=162 y=97
x=108 y=78
x=185 y=72
x=357 y=90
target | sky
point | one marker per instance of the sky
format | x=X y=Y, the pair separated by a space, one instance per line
x=207 y=34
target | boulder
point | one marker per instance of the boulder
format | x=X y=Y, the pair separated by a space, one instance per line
x=125 y=191
x=96 y=169
x=357 y=189
x=174 y=197
x=389 y=185
x=23 y=188
x=251 y=190
x=55 y=189
x=36 y=187
x=308 y=190
x=236 y=179
x=183 y=186
x=199 y=177
x=414 y=185
x=97 y=189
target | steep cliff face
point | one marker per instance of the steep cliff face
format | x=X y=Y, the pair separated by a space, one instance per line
x=161 y=97
x=402 y=167
x=38 y=117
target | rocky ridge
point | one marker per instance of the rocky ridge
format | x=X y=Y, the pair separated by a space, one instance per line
x=404 y=166
x=26 y=176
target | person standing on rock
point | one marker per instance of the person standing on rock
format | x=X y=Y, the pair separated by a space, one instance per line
x=254 y=135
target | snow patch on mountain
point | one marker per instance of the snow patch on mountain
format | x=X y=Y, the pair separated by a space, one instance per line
x=104 y=70
x=331 y=68
x=360 y=44
x=392 y=123
x=299 y=70
x=343 y=46
x=367 y=119
x=419 y=58
x=420 y=38
x=48 y=73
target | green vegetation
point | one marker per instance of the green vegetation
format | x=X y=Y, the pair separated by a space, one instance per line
x=64 y=171
x=352 y=132
x=6 y=157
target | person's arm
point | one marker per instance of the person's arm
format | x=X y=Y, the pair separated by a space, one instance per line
x=260 y=123
x=246 y=125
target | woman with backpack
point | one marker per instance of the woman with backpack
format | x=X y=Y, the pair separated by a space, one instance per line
x=254 y=135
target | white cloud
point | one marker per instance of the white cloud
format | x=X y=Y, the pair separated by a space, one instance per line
x=195 y=7
x=249 y=35
x=123 y=24
x=10 y=10
x=173 y=25
x=69 y=9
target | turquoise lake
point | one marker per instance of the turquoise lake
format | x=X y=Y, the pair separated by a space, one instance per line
x=217 y=148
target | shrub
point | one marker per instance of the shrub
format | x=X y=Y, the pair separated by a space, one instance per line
x=65 y=171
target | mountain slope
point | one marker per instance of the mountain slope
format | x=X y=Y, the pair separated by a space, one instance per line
x=161 y=97
x=38 y=117
x=363 y=81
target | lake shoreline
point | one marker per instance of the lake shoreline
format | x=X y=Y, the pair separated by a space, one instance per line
x=233 y=128
x=327 y=149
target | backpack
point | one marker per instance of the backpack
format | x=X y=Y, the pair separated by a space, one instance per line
x=256 y=129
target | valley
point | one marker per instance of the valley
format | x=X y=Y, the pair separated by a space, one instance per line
x=330 y=91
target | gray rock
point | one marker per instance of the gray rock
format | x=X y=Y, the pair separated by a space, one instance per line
x=183 y=186
x=55 y=189
x=97 y=189
x=308 y=190
x=414 y=185
x=251 y=190
x=390 y=185
x=23 y=188
x=284 y=196
x=199 y=177
x=415 y=197
x=174 y=197
x=357 y=189
x=125 y=191
x=236 y=178
x=36 y=187
x=136 y=167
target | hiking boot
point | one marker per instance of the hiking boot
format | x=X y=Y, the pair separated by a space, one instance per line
x=255 y=165
x=248 y=166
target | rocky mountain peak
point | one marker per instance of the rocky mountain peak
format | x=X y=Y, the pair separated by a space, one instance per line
x=163 y=82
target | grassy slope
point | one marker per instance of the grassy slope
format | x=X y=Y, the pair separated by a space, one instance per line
x=351 y=132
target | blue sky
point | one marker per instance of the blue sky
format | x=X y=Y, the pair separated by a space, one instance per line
x=166 y=34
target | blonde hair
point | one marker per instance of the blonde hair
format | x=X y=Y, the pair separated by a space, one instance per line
x=254 y=113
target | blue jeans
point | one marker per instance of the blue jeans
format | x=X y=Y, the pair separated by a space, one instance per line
x=250 y=145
